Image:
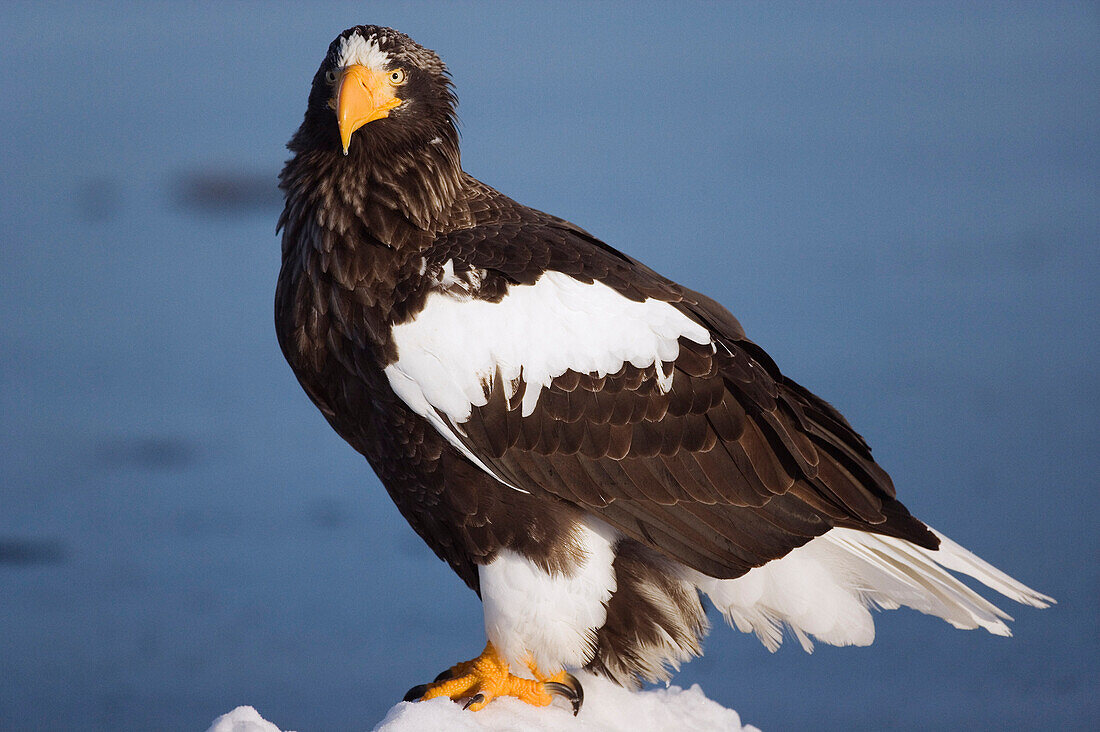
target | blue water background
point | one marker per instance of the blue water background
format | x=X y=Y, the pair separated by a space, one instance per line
x=900 y=203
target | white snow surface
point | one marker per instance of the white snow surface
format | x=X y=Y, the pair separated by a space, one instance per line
x=242 y=719
x=607 y=708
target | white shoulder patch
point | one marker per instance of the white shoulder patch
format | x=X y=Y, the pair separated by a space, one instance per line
x=363 y=51
x=449 y=354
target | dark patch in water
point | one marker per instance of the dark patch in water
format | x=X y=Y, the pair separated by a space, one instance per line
x=152 y=453
x=328 y=513
x=1024 y=253
x=98 y=199
x=228 y=192
x=28 y=552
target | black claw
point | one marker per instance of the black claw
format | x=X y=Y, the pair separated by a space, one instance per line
x=473 y=700
x=416 y=692
x=571 y=690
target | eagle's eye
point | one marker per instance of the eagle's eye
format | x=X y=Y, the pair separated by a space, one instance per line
x=397 y=76
x=330 y=76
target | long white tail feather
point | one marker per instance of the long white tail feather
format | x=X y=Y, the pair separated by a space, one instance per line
x=959 y=559
x=827 y=588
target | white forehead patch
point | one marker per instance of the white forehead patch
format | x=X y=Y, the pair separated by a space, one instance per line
x=363 y=51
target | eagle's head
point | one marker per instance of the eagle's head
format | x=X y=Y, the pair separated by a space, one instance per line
x=377 y=89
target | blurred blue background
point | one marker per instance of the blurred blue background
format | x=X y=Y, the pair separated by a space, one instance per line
x=900 y=203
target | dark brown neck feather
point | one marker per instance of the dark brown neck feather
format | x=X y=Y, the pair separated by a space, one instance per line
x=355 y=227
x=399 y=196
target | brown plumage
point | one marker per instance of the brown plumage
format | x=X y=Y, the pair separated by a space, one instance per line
x=732 y=466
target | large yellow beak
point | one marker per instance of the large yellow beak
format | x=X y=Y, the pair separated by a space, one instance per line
x=362 y=95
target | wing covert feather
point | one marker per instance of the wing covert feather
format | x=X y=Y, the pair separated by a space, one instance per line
x=725 y=467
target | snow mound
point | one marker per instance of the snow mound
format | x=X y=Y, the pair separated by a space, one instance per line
x=242 y=719
x=607 y=708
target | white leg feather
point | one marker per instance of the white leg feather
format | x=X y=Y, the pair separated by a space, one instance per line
x=552 y=617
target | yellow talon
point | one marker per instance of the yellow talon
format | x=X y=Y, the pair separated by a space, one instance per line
x=486 y=677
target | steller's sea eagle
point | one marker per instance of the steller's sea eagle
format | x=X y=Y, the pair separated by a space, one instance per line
x=591 y=446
